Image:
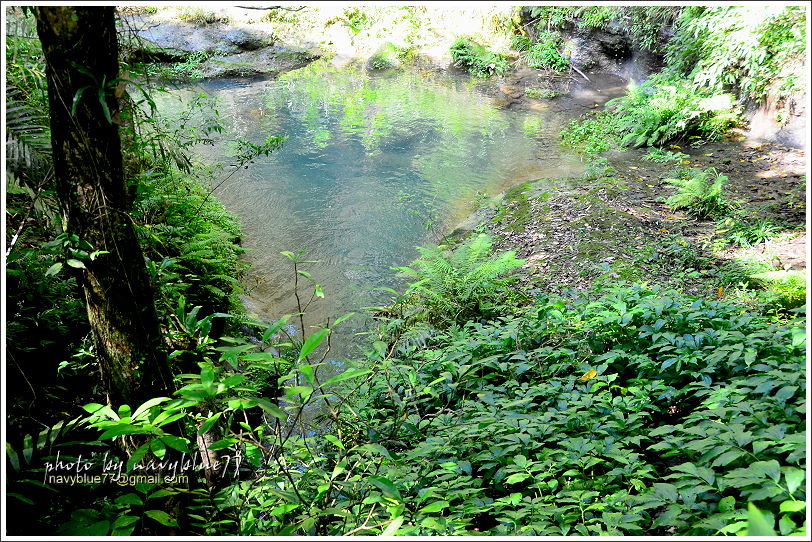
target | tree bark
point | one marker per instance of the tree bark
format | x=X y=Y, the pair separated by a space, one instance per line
x=81 y=53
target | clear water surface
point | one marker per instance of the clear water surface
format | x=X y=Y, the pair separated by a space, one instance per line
x=372 y=165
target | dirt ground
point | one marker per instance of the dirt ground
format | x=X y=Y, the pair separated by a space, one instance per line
x=615 y=221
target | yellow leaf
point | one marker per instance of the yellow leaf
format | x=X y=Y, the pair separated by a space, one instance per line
x=674 y=147
x=650 y=185
x=633 y=167
x=592 y=373
x=720 y=292
x=688 y=162
x=663 y=229
x=708 y=154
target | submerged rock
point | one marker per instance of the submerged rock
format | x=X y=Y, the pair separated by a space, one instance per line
x=268 y=61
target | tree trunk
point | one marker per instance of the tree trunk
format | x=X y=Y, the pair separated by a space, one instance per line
x=81 y=53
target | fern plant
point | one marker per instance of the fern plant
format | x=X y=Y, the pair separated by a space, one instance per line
x=665 y=108
x=456 y=286
x=544 y=53
x=700 y=194
x=476 y=59
x=28 y=140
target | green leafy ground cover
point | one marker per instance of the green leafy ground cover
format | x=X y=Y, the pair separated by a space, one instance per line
x=486 y=403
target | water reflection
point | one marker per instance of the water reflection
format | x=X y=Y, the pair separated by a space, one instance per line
x=372 y=166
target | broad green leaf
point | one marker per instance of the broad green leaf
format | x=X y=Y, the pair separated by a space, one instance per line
x=222 y=444
x=304 y=391
x=161 y=517
x=275 y=327
x=771 y=468
x=76 y=99
x=54 y=269
x=318 y=291
x=757 y=522
x=393 y=527
x=785 y=393
x=727 y=504
x=794 y=478
x=231 y=381
x=261 y=356
x=312 y=342
x=129 y=499
x=520 y=460
x=100 y=528
x=137 y=455
x=342 y=318
x=334 y=440
x=386 y=486
x=12 y=457
x=271 y=408
x=107 y=411
x=380 y=348
x=727 y=457
x=103 y=104
x=28 y=448
x=73 y=262
x=147 y=405
x=786 y=526
x=667 y=492
x=792 y=506
x=176 y=443
x=209 y=423
x=798 y=337
x=241 y=403
x=517 y=477
x=124 y=525
x=434 y=507
x=162 y=493
x=348 y=374
x=158 y=448
x=309 y=375
x=166 y=417
x=121 y=429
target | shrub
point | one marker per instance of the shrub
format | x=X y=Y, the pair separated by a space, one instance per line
x=592 y=135
x=197 y=16
x=520 y=42
x=745 y=232
x=786 y=290
x=753 y=49
x=356 y=19
x=661 y=156
x=546 y=93
x=700 y=194
x=453 y=287
x=476 y=59
x=663 y=109
x=386 y=57
x=544 y=53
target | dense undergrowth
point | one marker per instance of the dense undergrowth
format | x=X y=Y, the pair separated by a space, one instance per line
x=624 y=410
x=481 y=405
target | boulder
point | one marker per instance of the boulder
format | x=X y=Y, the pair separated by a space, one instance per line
x=248 y=39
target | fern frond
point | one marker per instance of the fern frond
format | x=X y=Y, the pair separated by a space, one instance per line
x=28 y=141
